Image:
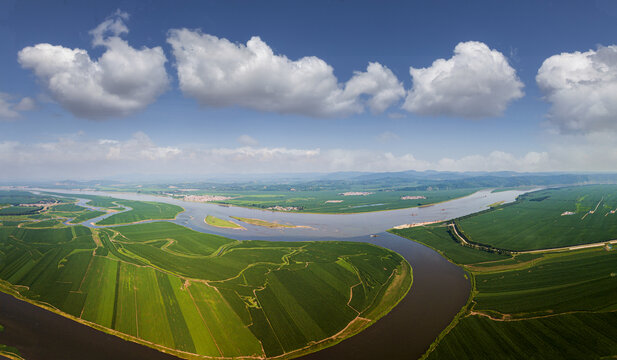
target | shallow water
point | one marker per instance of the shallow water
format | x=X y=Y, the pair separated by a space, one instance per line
x=438 y=292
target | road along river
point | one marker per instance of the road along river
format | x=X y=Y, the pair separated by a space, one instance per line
x=438 y=292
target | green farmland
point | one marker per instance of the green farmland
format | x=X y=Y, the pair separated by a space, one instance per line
x=16 y=197
x=87 y=215
x=333 y=202
x=142 y=211
x=547 y=219
x=541 y=305
x=213 y=297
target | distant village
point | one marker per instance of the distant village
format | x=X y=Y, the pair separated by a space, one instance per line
x=413 y=197
x=356 y=193
x=206 y=198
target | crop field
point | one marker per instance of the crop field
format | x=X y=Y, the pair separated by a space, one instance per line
x=53 y=216
x=439 y=238
x=566 y=336
x=141 y=211
x=332 y=202
x=545 y=305
x=19 y=210
x=214 y=221
x=556 y=283
x=212 y=296
x=94 y=200
x=15 y=197
x=548 y=218
x=86 y=215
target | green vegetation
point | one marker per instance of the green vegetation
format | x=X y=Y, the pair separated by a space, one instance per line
x=309 y=198
x=212 y=296
x=95 y=200
x=312 y=193
x=542 y=219
x=495 y=204
x=20 y=210
x=559 y=305
x=15 y=197
x=214 y=221
x=545 y=305
x=87 y=215
x=554 y=283
x=439 y=238
x=263 y=223
x=51 y=216
x=53 y=223
x=332 y=202
x=142 y=211
x=68 y=208
x=566 y=336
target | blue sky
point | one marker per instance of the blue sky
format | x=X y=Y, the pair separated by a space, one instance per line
x=196 y=126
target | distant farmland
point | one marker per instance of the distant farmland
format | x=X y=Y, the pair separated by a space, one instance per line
x=542 y=219
x=332 y=202
x=187 y=292
x=140 y=211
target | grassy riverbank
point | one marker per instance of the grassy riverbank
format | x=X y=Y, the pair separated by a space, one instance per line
x=214 y=221
x=263 y=223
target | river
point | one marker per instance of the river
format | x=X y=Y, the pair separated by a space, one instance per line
x=438 y=292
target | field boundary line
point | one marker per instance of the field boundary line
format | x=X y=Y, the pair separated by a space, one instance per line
x=506 y=317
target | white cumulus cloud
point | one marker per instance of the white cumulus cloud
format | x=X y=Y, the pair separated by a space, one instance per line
x=122 y=81
x=476 y=82
x=220 y=73
x=582 y=89
x=9 y=109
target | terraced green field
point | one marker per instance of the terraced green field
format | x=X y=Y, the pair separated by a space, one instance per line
x=187 y=292
x=543 y=305
x=540 y=219
x=140 y=211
